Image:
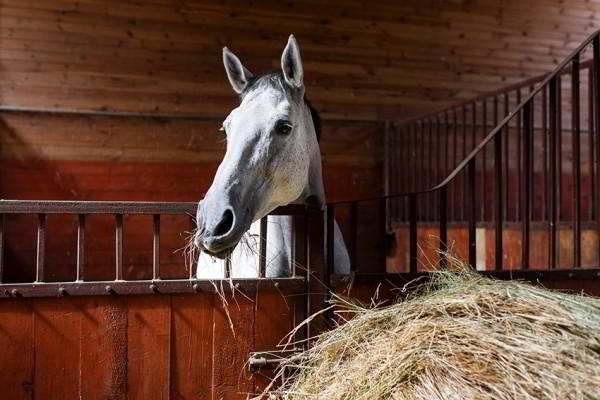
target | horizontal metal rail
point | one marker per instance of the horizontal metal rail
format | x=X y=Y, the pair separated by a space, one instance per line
x=115 y=207
x=534 y=276
x=119 y=286
x=162 y=286
x=144 y=115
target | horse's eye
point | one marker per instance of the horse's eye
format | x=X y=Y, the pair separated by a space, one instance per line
x=283 y=127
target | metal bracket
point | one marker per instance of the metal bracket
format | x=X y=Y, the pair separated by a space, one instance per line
x=271 y=359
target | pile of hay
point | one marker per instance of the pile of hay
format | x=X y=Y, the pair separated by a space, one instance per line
x=460 y=336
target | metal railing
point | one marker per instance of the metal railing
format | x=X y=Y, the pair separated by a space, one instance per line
x=465 y=195
x=435 y=144
x=308 y=253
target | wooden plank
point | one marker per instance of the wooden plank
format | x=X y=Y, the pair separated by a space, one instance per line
x=17 y=344
x=61 y=53
x=233 y=339
x=192 y=346
x=103 y=348
x=57 y=347
x=148 y=347
x=274 y=319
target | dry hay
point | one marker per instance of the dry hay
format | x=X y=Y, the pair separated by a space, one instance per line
x=460 y=336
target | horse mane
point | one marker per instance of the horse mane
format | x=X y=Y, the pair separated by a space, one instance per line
x=276 y=81
x=316 y=118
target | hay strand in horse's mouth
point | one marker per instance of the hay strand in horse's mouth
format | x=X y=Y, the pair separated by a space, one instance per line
x=458 y=336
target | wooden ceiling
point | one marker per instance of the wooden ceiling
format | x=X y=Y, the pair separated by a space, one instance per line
x=367 y=60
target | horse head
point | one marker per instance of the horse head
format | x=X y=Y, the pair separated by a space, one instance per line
x=272 y=156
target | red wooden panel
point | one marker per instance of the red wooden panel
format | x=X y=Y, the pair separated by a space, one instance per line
x=274 y=319
x=232 y=344
x=192 y=346
x=57 y=350
x=104 y=348
x=16 y=342
x=148 y=343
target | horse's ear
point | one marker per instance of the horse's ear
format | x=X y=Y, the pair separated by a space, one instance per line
x=238 y=75
x=291 y=64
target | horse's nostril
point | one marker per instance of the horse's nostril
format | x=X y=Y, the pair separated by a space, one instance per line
x=225 y=225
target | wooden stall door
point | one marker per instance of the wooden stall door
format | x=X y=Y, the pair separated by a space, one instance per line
x=138 y=347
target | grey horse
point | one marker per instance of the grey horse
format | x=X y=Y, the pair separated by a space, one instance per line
x=272 y=159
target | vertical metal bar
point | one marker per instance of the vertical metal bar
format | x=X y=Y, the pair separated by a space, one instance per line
x=484 y=162
x=506 y=134
x=443 y=226
x=532 y=191
x=393 y=175
x=576 y=143
x=353 y=235
x=80 y=247
x=596 y=85
x=519 y=170
x=386 y=158
x=472 y=214
x=447 y=147
x=526 y=190
x=454 y=202
x=2 y=222
x=499 y=197
x=400 y=171
x=495 y=123
x=544 y=214
x=227 y=265
x=307 y=228
x=592 y=180
x=406 y=171
x=399 y=174
x=192 y=222
x=119 y=247
x=430 y=175
x=438 y=165
x=330 y=243
x=553 y=195
x=559 y=146
x=414 y=145
x=308 y=243
x=262 y=262
x=329 y=266
x=382 y=227
x=316 y=270
x=156 y=246
x=412 y=201
x=41 y=248
x=422 y=182
x=463 y=180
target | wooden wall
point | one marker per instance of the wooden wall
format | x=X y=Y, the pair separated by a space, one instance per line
x=138 y=347
x=363 y=60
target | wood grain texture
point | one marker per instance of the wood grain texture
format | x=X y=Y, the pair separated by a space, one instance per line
x=17 y=344
x=274 y=319
x=148 y=347
x=233 y=340
x=103 y=348
x=362 y=61
x=57 y=347
x=192 y=346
